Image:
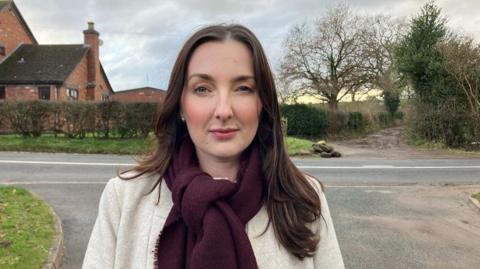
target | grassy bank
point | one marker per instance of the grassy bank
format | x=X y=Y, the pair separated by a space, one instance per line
x=48 y=143
x=26 y=229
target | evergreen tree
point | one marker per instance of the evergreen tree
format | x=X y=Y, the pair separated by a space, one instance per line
x=440 y=108
x=418 y=59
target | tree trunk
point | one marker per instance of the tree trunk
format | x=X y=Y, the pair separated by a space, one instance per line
x=333 y=105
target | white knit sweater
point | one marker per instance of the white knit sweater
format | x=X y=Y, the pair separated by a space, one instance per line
x=129 y=223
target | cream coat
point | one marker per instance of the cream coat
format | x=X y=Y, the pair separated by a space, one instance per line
x=128 y=225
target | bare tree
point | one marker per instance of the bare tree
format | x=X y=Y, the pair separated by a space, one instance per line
x=325 y=61
x=379 y=38
x=288 y=90
x=462 y=62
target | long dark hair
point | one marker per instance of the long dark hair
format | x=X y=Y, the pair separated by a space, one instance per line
x=291 y=201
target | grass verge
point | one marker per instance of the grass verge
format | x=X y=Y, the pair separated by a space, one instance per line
x=438 y=146
x=48 y=143
x=26 y=229
x=477 y=196
x=298 y=146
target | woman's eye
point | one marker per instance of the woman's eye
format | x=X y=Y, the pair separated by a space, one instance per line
x=200 y=89
x=245 y=89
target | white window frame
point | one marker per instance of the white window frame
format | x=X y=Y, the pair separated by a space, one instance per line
x=72 y=94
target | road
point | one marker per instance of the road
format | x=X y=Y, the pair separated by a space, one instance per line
x=387 y=213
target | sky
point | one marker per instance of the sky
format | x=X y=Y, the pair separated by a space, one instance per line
x=142 y=38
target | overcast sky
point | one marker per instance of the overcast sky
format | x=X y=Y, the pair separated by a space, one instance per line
x=142 y=38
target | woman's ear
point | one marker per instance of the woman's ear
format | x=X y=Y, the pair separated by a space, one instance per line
x=182 y=118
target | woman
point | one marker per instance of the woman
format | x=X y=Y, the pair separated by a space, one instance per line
x=219 y=191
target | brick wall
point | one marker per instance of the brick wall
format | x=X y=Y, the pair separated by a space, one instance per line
x=139 y=96
x=12 y=33
x=27 y=92
x=101 y=87
x=78 y=80
x=21 y=92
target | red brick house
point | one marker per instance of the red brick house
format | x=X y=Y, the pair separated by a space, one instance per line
x=145 y=94
x=31 y=71
x=13 y=29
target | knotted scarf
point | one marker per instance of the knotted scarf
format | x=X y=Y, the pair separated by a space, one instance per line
x=205 y=228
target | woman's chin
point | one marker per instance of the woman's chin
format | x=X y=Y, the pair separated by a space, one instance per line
x=225 y=151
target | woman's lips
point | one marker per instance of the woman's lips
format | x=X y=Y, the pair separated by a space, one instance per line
x=224 y=134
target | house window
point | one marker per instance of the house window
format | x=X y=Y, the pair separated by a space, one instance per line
x=2 y=92
x=2 y=49
x=44 y=93
x=72 y=94
x=105 y=97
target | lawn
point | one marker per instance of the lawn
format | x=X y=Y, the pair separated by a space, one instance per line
x=26 y=229
x=48 y=143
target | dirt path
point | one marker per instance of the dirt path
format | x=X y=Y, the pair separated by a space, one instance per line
x=392 y=143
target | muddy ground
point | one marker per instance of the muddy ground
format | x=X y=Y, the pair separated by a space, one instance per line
x=392 y=143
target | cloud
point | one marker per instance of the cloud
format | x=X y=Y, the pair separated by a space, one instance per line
x=143 y=37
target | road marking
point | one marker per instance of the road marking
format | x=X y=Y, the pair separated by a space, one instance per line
x=377 y=166
x=300 y=166
x=388 y=167
x=67 y=163
x=379 y=191
x=377 y=186
x=52 y=182
x=46 y=182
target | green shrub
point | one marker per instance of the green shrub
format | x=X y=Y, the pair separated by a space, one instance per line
x=355 y=121
x=391 y=100
x=304 y=120
x=440 y=123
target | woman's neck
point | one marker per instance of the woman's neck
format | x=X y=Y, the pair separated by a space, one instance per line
x=226 y=169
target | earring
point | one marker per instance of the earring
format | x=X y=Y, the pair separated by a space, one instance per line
x=183 y=119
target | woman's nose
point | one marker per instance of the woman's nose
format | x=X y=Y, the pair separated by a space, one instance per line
x=223 y=109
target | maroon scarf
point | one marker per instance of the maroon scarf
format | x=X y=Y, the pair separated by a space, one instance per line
x=205 y=228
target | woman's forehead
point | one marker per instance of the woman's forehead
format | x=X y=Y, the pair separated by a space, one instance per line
x=218 y=59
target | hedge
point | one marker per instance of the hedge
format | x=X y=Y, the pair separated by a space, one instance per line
x=76 y=119
x=304 y=120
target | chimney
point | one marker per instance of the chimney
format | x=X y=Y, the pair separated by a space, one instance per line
x=93 y=63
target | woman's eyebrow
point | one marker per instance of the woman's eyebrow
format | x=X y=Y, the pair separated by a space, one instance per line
x=209 y=78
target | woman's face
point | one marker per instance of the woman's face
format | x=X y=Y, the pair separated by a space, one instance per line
x=220 y=102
